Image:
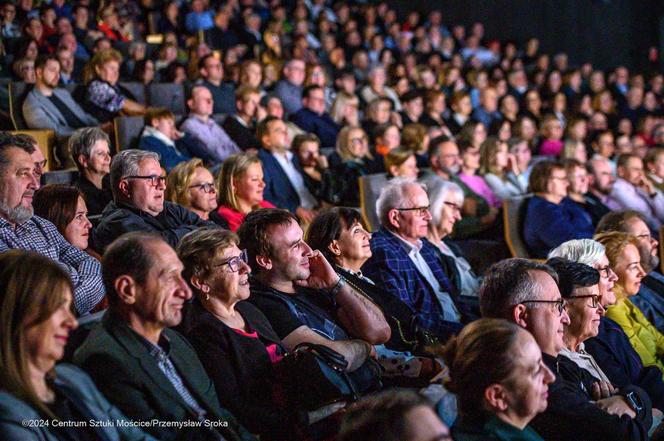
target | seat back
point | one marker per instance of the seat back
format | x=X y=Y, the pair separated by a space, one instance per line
x=370 y=187
x=136 y=89
x=46 y=142
x=513 y=213
x=60 y=176
x=127 y=131
x=168 y=95
x=17 y=92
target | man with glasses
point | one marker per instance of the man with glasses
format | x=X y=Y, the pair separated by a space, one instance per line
x=138 y=184
x=527 y=293
x=313 y=118
x=650 y=299
x=405 y=263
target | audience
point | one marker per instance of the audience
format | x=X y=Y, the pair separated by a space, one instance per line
x=161 y=136
x=313 y=118
x=401 y=162
x=500 y=170
x=90 y=151
x=313 y=165
x=148 y=370
x=211 y=73
x=289 y=88
x=138 y=203
x=241 y=126
x=577 y=177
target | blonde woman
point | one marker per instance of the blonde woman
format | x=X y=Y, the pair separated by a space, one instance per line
x=345 y=109
x=240 y=187
x=191 y=185
x=495 y=164
x=401 y=162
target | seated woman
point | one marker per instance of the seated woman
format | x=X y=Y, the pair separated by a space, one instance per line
x=445 y=202
x=493 y=364
x=623 y=253
x=241 y=186
x=35 y=306
x=104 y=98
x=160 y=136
x=415 y=138
x=577 y=175
x=470 y=166
x=191 y=185
x=496 y=163
x=387 y=137
x=401 y=162
x=233 y=339
x=551 y=217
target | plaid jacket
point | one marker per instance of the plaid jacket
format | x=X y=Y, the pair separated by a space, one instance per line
x=392 y=269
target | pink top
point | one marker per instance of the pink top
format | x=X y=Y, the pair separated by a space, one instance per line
x=234 y=217
x=479 y=186
x=272 y=349
x=551 y=147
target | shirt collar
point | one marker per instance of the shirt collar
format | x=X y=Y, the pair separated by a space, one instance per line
x=410 y=247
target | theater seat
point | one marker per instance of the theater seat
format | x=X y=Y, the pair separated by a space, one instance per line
x=46 y=142
x=370 y=187
x=127 y=131
x=136 y=89
x=167 y=95
x=60 y=176
x=17 y=93
x=513 y=213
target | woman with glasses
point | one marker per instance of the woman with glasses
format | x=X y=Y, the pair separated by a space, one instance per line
x=446 y=199
x=623 y=253
x=551 y=217
x=240 y=186
x=233 y=339
x=192 y=185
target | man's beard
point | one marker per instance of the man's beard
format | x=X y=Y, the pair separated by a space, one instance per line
x=16 y=215
x=648 y=261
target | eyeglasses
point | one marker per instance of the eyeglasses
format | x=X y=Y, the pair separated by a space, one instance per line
x=561 y=304
x=154 y=179
x=359 y=140
x=42 y=164
x=207 y=187
x=454 y=206
x=420 y=211
x=234 y=262
x=595 y=299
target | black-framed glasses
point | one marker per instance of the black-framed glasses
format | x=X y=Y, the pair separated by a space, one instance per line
x=420 y=211
x=234 y=262
x=41 y=164
x=155 y=180
x=561 y=304
x=453 y=205
x=595 y=299
x=207 y=187
x=605 y=272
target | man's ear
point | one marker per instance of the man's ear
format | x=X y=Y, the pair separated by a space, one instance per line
x=124 y=188
x=496 y=397
x=264 y=262
x=393 y=217
x=126 y=289
x=519 y=315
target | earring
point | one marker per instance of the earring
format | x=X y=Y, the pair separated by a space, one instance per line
x=207 y=296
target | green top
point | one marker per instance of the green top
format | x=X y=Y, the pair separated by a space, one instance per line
x=493 y=429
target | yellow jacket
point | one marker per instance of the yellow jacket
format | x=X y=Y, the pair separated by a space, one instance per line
x=644 y=337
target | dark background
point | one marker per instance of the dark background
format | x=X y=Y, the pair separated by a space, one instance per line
x=606 y=33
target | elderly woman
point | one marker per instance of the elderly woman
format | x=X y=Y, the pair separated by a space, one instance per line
x=551 y=218
x=500 y=170
x=623 y=253
x=191 y=185
x=90 y=150
x=501 y=383
x=104 y=98
x=35 y=312
x=241 y=186
x=445 y=202
x=233 y=339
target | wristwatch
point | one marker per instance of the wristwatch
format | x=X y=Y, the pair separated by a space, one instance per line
x=634 y=401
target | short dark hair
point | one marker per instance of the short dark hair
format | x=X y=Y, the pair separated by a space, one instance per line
x=327 y=226
x=201 y=62
x=540 y=175
x=255 y=234
x=573 y=275
x=301 y=139
x=42 y=59
x=130 y=255
x=263 y=127
x=435 y=143
x=381 y=416
x=617 y=220
x=307 y=90
x=7 y=141
x=508 y=283
x=624 y=158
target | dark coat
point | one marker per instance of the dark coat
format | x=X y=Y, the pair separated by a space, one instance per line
x=278 y=188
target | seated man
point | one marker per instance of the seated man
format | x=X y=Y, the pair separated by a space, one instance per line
x=90 y=150
x=161 y=136
x=406 y=264
x=284 y=182
x=312 y=117
x=289 y=88
x=48 y=106
x=19 y=228
x=634 y=191
x=241 y=126
x=212 y=77
x=138 y=203
x=216 y=145
x=302 y=296
x=526 y=293
x=147 y=370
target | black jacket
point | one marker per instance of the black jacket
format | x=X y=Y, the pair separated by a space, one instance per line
x=171 y=224
x=570 y=414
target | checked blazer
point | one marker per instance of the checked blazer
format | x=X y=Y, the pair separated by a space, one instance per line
x=391 y=268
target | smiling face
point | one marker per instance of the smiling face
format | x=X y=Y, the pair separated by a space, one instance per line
x=227 y=285
x=250 y=185
x=352 y=245
x=17 y=186
x=77 y=232
x=46 y=340
x=629 y=271
x=109 y=72
x=289 y=260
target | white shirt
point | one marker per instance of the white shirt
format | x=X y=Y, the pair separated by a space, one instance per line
x=470 y=284
x=286 y=162
x=585 y=361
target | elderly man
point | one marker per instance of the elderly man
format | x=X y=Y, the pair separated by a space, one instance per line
x=212 y=77
x=19 y=228
x=217 y=144
x=289 y=89
x=526 y=292
x=302 y=296
x=49 y=107
x=405 y=263
x=312 y=117
x=138 y=202
x=90 y=150
x=634 y=191
x=650 y=299
x=284 y=183
x=150 y=372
